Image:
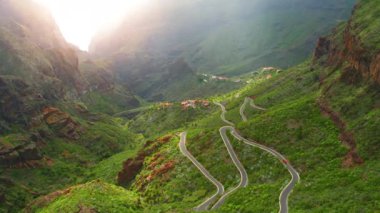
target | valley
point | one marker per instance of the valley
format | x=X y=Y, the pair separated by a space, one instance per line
x=188 y=106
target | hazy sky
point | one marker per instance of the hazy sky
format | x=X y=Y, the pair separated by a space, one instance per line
x=79 y=20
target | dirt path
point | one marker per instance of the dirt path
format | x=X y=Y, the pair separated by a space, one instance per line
x=346 y=137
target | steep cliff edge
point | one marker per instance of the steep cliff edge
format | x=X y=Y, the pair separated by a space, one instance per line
x=53 y=107
x=39 y=68
x=355 y=45
x=350 y=59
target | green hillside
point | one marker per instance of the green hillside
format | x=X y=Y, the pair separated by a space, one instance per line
x=323 y=121
x=95 y=149
x=52 y=126
x=81 y=198
x=295 y=126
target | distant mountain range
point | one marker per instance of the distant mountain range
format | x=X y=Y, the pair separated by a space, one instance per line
x=225 y=37
x=214 y=36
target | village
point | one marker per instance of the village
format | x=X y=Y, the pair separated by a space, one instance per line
x=187 y=104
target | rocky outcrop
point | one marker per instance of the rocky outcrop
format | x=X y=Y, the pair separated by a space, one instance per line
x=323 y=48
x=39 y=68
x=344 y=47
x=133 y=166
x=19 y=152
x=161 y=170
x=62 y=122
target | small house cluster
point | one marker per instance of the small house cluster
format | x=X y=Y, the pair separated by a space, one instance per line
x=194 y=103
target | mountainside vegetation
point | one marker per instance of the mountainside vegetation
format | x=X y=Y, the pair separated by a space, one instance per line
x=218 y=36
x=54 y=108
x=74 y=137
x=226 y=38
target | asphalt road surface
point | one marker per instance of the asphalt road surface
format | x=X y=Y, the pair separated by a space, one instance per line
x=220 y=188
x=284 y=196
x=223 y=115
x=283 y=199
x=236 y=161
x=242 y=109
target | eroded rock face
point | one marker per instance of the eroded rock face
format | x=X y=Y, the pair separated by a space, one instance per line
x=323 y=47
x=132 y=166
x=348 y=49
x=375 y=68
x=21 y=153
x=63 y=122
x=347 y=138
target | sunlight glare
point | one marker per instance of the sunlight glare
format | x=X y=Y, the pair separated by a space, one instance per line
x=80 y=20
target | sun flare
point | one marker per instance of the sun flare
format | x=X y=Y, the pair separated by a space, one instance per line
x=80 y=20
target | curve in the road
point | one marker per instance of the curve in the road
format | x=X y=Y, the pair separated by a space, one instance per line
x=252 y=103
x=242 y=109
x=284 y=196
x=236 y=161
x=249 y=101
x=223 y=115
x=283 y=199
x=220 y=188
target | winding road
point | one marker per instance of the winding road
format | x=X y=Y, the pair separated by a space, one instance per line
x=244 y=105
x=238 y=164
x=223 y=115
x=252 y=103
x=242 y=109
x=283 y=200
x=220 y=188
x=284 y=196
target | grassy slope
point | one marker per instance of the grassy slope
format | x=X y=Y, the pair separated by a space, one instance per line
x=294 y=126
x=176 y=190
x=72 y=162
x=94 y=196
x=156 y=120
x=367 y=25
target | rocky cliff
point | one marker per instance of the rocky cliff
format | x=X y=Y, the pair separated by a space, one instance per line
x=42 y=79
x=38 y=68
x=351 y=45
